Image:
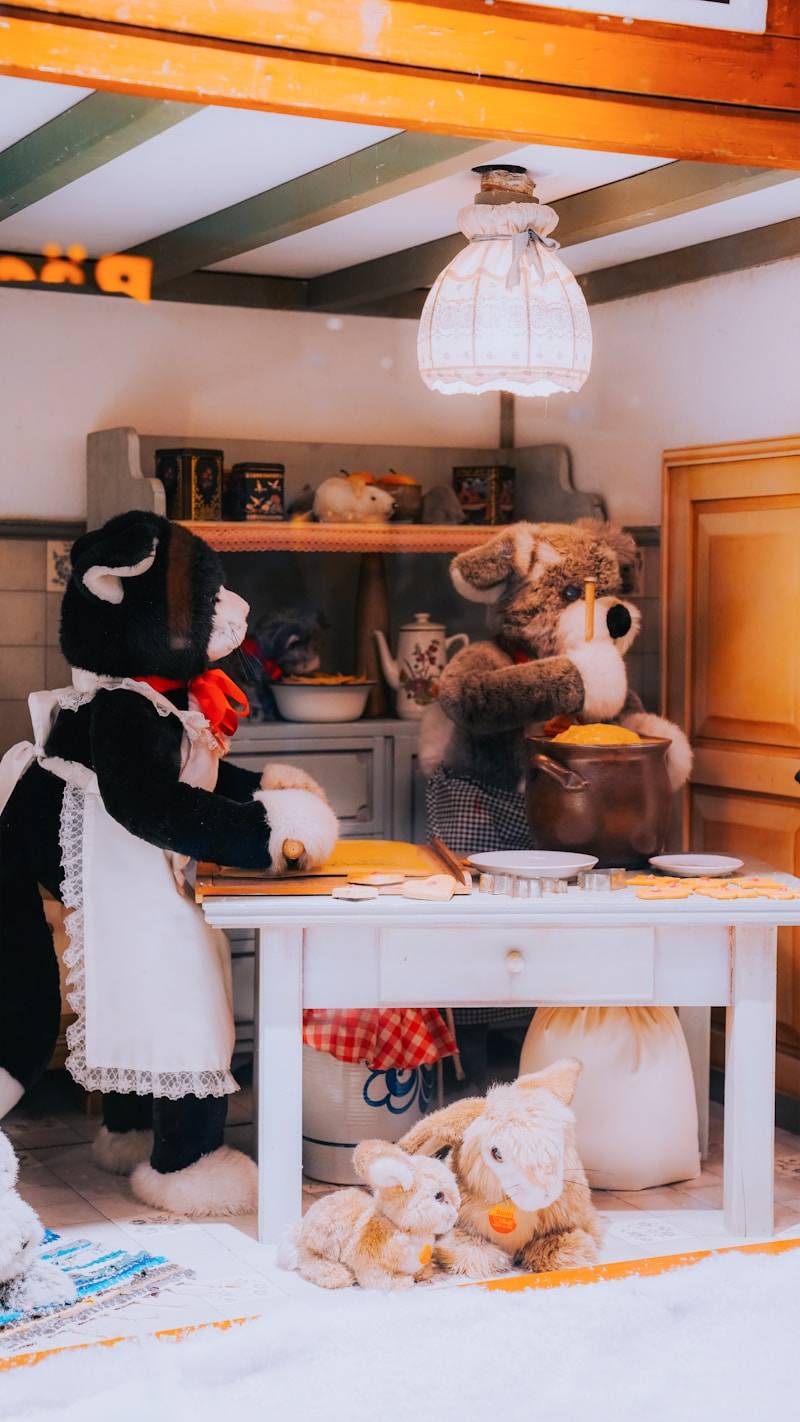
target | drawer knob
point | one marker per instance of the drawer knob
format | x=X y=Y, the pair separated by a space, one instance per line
x=515 y=960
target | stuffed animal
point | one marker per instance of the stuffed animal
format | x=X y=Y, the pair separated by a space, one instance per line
x=524 y=1196
x=126 y=781
x=283 y=644
x=537 y=665
x=385 y=1241
x=26 y=1280
x=352 y=498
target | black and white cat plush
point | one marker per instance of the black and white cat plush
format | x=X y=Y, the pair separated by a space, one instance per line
x=125 y=782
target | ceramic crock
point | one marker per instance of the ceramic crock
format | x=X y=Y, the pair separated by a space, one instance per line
x=612 y=801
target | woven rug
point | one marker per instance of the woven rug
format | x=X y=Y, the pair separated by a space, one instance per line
x=105 y=1279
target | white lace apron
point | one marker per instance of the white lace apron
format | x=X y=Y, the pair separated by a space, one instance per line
x=148 y=979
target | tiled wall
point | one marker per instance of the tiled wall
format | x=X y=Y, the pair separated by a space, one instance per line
x=31 y=582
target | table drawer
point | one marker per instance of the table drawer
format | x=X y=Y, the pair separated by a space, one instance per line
x=461 y=967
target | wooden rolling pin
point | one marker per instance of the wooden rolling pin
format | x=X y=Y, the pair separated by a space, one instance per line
x=293 y=851
x=589 y=591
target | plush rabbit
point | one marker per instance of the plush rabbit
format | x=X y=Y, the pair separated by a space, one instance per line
x=383 y=1241
x=352 y=499
x=26 y=1280
x=524 y=1196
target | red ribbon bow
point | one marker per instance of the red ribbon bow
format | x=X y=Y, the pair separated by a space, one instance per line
x=221 y=701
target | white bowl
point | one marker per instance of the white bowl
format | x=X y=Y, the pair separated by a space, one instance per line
x=534 y=863
x=312 y=701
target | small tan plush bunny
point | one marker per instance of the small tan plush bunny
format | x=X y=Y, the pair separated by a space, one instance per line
x=382 y=1241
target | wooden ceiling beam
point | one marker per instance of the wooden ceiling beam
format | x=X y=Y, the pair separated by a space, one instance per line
x=383 y=170
x=722 y=97
x=508 y=41
x=94 y=131
x=660 y=193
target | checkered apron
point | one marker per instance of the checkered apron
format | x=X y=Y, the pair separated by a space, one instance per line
x=473 y=818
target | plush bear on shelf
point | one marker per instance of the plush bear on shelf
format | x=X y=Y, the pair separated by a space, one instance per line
x=125 y=783
x=537 y=665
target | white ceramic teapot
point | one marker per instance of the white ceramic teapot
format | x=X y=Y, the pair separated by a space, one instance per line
x=422 y=652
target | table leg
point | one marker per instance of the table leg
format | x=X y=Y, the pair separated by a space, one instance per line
x=279 y=1079
x=696 y=1024
x=750 y=1083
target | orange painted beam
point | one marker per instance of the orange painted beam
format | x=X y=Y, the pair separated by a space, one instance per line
x=630 y=1268
x=507 y=41
x=139 y=61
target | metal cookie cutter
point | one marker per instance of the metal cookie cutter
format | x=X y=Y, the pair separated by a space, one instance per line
x=518 y=887
x=601 y=881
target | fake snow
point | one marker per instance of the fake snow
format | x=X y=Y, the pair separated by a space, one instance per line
x=714 y=1341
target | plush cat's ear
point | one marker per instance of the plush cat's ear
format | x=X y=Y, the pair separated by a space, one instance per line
x=102 y=559
x=382 y=1165
x=561 y=1078
x=483 y=574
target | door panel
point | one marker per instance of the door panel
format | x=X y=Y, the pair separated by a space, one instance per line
x=746 y=621
x=731 y=621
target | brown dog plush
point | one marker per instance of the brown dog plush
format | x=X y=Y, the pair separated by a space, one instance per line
x=537 y=665
x=524 y=1196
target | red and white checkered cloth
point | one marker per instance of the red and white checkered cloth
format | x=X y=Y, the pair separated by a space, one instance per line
x=380 y=1038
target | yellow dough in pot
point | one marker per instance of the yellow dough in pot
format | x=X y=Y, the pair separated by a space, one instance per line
x=599 y=734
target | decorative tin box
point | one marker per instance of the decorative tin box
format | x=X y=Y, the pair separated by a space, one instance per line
x=485 y=492
x=254 y=492
x=192 y=480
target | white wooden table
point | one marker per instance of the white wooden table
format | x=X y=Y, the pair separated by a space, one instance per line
x=577 y=948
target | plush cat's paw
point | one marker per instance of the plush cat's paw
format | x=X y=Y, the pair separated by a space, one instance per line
x=301 y=817
x=277 y=776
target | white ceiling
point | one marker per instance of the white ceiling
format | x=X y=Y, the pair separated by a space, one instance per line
x=220 y=156
x=426 y=213
x=210 y=160
x=25 y=105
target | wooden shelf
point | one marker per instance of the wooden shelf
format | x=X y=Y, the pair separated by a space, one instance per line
x=342 y=537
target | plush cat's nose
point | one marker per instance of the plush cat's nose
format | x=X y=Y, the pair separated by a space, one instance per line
x=618 y=620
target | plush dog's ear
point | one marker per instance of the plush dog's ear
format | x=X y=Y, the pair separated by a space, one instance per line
x=442 y=1128
x=382 y=1165
x=482 y=574
x=561 y=1078
x=101 y=559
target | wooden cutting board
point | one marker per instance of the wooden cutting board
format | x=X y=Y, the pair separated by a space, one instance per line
x=351 y=856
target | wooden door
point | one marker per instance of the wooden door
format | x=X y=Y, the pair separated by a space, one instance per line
x=731 y=588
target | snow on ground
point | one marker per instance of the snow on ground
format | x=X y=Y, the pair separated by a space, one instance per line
x=717 y=1341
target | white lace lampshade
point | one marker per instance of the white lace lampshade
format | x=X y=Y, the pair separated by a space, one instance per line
x=506 y=314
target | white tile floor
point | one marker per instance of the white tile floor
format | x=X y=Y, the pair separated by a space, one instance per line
x=235 y=1277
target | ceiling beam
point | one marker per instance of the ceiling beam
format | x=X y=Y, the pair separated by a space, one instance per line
x=94 y=131
x=357 y=181
x=701 y=95
x=742 y=251
x=654 y=196
x=465 y=37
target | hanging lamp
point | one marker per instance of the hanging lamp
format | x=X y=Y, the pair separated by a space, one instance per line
x=506 y=314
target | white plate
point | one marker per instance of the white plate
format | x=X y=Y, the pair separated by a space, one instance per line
x=534 y=863
x=692 y=866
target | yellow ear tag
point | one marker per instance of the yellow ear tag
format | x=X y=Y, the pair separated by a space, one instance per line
x=503 y=1217
x=425 y=1255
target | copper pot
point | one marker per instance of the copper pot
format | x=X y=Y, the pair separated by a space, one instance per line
x=612 y=801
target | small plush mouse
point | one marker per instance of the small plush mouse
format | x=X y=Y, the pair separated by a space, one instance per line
x=382 y=1241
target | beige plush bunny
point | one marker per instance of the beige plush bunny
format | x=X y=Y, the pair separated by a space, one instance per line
x=524 y=1196
x=383 y=1241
